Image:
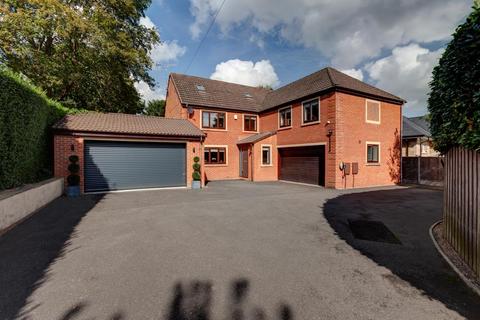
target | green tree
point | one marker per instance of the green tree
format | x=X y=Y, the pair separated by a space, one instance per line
x=155 y=108
x=85 y=53
x=454 y=101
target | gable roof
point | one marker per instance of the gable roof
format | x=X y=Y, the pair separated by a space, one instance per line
x=416 y=127
x=120 y=123
x=323 y=80
x=257 y=137
x=226 y=95
x=218 y=94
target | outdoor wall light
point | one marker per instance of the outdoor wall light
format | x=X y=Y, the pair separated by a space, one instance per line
x=72 y=147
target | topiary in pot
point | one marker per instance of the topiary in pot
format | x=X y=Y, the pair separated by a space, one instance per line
x=196 y=175
x=73 y=180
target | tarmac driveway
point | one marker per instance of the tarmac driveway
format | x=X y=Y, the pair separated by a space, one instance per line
x=235 y=250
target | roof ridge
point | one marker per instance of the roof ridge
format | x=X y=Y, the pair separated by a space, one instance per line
x=334 y=84
x=221 y=81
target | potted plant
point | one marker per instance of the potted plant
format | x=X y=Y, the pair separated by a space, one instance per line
x=196 y=175
x=73 y=180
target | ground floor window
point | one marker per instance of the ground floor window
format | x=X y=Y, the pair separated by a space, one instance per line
x=215 y=155
x=373 y=151
x=266 y=155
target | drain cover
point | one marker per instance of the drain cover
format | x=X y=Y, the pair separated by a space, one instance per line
x=372 y=231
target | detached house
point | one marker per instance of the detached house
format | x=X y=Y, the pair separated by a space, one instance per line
x=325 y=129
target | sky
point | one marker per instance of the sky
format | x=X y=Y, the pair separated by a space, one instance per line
x=391 y=44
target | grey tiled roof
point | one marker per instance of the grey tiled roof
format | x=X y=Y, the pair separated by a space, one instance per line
x=121 y=123
x=416 y=127
x=257 y=137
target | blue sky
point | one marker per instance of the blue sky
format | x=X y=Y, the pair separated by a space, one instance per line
x=273 y=42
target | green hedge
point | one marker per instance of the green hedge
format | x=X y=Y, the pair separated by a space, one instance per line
x=454 y=101
x=26 y=115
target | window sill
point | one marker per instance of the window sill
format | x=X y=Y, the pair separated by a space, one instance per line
x=310 y=123
x=284 y=128
x=216 y=165
x=243 y=131
x=221 y=130
x=266 y=165
x=373 y=164
x=372 y=122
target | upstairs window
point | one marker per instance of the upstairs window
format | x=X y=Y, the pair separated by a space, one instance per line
x=249 y=123
x=373 y=151
x=311 y=111
x=372 y=111
x=214 y=155
x=285 y=117
x=213 y=120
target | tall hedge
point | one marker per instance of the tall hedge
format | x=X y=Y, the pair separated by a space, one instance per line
x=26 y=115
x=454 y=101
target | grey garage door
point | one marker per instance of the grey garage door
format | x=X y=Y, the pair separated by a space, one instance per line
x=113 y=165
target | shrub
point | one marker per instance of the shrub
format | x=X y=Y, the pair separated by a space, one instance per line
x=454 y=101
x=73 y=180
x=196 y=169
x=73 y=168
x=73 y=158
x=26 y=115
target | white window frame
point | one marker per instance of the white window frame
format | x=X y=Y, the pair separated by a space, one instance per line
x=367 y=143
x=213 y=129
x=303 y=112
x=261 y=155
x=379 y=111
x=243 y=121
x=210 y=146
x=291 y=117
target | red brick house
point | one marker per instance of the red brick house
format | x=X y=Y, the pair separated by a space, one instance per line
x=302 y=132
x=326 y=129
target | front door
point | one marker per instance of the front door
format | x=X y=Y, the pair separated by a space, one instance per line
x=244 y=162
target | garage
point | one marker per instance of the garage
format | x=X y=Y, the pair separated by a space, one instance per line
x=302 y=164
x=113 y=165
x=118 y=151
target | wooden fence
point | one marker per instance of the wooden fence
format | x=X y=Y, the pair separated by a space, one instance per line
x=461 y=205
x=431 y=170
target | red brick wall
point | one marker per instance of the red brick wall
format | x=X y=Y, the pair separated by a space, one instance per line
x=265 y=173
x=300 y=134
x=62 y=150
x=173 y=106
x=352 y=135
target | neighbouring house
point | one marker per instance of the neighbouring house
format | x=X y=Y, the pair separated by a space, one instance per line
x=326 y=129
x=421 y=163
x=416 y=138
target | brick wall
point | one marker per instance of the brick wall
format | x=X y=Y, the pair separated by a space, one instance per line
x=261 y=172
x=353 y=132
x=62 y=150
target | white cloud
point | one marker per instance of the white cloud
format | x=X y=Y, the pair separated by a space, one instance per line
x=406 y=73
x=247 y=73
x=346 y=31
x=355 y=73
x=147 y=22
x=147 y=93
x=167 y=51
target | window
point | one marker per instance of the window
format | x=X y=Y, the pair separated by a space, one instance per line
x=285 y=117
x=372 y=111
x=266 y=155
x=311 y=111
x=249 y=123
x=213 y=120
x=200 y=88
x=373 y=153
x=214 y=155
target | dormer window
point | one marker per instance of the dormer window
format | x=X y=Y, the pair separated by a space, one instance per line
x=248 y=95
x=200 y=88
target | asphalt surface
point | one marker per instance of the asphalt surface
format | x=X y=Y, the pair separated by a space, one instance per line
x=235 y=250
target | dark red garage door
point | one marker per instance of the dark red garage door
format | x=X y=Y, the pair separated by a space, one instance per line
x=303 y=164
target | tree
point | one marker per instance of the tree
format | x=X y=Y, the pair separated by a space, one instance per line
x=454 y=101
x=85 y=53
x=155 y=108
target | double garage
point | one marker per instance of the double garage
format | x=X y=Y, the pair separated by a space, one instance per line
x=123 y=152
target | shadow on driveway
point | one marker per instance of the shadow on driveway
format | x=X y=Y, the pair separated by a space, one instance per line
x=27 y=251
x=408 y=214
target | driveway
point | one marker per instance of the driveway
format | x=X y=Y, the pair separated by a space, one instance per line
x=235 y=250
